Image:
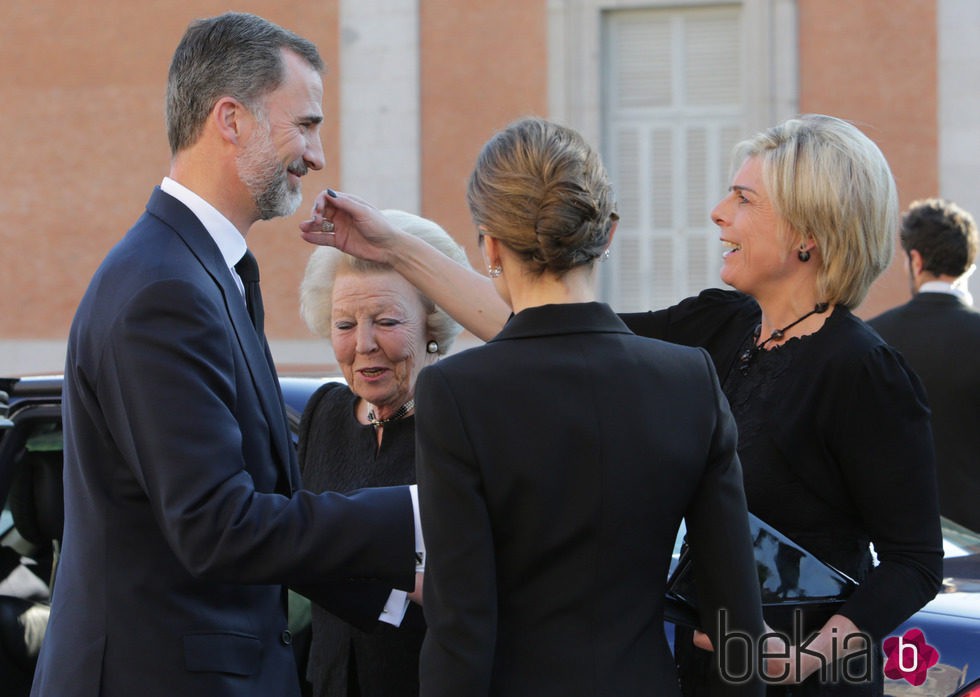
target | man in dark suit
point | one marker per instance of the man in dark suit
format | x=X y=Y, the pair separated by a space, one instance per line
x=938 y=332
x=183 y=518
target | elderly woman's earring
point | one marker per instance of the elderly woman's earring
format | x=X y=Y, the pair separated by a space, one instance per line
x=432 y=347
x=605 y=255
x=495 y=271
x=803 y=254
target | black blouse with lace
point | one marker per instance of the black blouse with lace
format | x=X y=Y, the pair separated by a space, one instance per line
x=338 y=453
x=835 y=446
x=754 y=390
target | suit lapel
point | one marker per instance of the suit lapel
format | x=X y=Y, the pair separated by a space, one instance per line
x=558 y=319
x=258 y=358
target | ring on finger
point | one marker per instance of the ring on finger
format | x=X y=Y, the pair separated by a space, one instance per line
x=327 y=225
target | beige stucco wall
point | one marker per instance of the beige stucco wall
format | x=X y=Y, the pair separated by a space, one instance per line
x=81 y=119
x=81 y=116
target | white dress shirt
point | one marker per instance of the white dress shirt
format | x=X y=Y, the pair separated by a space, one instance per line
x=957 y=289
x=230 y=242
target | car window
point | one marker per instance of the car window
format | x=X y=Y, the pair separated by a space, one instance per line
x=959 y=541
x=679 y=540
x=6 y=521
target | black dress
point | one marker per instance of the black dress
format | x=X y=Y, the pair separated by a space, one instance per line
x=836 y=453
x=338 y=453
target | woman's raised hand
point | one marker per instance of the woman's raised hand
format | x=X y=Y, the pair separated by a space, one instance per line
x=351 y=225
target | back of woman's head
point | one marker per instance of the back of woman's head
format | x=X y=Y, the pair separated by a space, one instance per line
x=830 y=183
x=539 y=188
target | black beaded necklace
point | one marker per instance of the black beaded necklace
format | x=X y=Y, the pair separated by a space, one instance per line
x=746 y=358
x=399 y=413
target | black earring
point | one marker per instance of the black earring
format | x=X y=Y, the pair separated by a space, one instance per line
x=804 y=255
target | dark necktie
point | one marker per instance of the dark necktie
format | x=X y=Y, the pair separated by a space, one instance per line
x=248 y=270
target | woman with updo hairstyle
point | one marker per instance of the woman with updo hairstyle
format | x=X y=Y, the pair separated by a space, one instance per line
x=834 y=432
x=556 y=462
x=547 y=196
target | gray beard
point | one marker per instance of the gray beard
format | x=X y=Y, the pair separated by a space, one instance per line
x=276 y=199
x=267 y=181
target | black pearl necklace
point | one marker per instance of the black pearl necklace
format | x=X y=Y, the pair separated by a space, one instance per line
x=401 y=412
x=746 y=358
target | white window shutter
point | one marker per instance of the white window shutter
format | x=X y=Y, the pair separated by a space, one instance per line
x=672 y=115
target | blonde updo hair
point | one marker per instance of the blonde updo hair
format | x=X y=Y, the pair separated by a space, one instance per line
x=316 y=289
x=829 y=182
x=540 y=189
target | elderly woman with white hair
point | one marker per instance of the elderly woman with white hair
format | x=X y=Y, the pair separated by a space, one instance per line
x=383 y=332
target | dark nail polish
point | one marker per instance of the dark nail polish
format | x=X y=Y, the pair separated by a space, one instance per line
x=331 y=192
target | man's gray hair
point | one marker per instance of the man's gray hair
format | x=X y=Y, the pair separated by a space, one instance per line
x=236 y=55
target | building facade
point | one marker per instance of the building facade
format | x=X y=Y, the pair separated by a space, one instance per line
x=414 y=87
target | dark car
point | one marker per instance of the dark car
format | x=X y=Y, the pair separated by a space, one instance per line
x=950 y=624
x=32 y=521
x=933 y=654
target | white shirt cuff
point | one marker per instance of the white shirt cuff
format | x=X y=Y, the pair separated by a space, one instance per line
x=413 y=489
x=395 y=609
x=397 y=605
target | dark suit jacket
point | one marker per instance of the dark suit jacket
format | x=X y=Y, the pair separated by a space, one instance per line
x=181 y=515
x=555 y=464
x=939 y=335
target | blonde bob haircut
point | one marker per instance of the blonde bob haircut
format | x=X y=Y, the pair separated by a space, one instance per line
x=830 y=183
x=316 y=288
